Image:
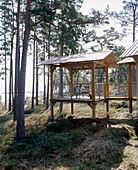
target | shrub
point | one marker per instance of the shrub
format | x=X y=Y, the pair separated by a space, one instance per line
x=119 y=105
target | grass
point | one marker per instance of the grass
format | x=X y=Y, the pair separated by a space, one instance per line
x=70 y=144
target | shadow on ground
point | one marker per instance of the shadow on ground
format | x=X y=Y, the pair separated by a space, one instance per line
x=71 y=144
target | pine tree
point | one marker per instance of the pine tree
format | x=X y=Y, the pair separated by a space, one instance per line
x=17 y=61
x=6 y=35
x=20 y=119
x=128 y=19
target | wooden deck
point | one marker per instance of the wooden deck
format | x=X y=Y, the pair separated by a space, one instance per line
x=121 y=98
x=91 y=103
x=88 y=100
x=78 y=100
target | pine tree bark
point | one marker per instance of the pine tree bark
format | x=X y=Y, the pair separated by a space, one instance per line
x=5 y=73
x=11 y=64
x=33 y=72
x=15 y=109
x=36 y=74
x=61 y=70
x=49 y=40
x=20 y=131
x=61 y=80
x=44 y=73
x=11 y=74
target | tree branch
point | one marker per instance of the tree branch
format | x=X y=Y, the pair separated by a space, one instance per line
x=82 y=22
x=43 y=21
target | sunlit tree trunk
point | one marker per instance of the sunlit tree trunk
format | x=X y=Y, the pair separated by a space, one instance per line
x=36 y=74
x=33 y=72
x=47 y=100
x=11 y=64
x=44 y=73
x=20 y=133
x=61 y=71
x=11 y=75
x=15 y=109
x=5 y=73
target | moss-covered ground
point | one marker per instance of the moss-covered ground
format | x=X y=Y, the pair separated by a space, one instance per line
x=71 y=142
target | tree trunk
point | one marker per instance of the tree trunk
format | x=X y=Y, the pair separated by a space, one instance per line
x=11 y=64
x=134 y=23
x=11 y=69
x=61 y=70
x=20 y=133
x=100 y=80
x=33 y=73
x=44 y=73
x=36 y=74
x=5 y=73
x=61 y=81
x=15 y=109
x=49 y=35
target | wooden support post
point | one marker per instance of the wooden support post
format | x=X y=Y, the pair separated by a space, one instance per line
x=51 y=84
x=52 y=112
x=104 y=91
x=136 y=59
x=107 y=93
x=107 y=83
x=124 y=90
x=93 y=110
x=93 y=107
x=72 y=111
x=107 y=108
x=99 y=90
x=72 y=91
x=89 y=104
x=130 y=88
x=93 y=81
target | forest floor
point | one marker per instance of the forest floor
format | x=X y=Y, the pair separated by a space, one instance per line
x=71 y=142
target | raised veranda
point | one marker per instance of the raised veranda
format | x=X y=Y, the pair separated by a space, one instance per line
x=88 y=92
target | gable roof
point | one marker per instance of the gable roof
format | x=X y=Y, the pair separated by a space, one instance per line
x=78 y=61
x=131 y=51
x=128 y=60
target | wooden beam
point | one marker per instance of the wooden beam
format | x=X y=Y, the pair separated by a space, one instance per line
x=107 y=92
x=89 y=104
x=72 y=91
x=94 y=110
x=51 y=79
x=130 y=88
x=52 y=110
x=130 y=81
x=83 y=65
x=93 y=81
x=72 y=110
x=102 y=63
x=107 y=83
x=51 y=84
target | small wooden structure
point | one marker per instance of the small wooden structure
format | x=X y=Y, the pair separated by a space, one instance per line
x=131 y=57
x=131 y=63
x=100 y=60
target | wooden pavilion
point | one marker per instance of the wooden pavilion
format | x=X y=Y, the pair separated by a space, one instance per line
x=131 y=58
x=93 y=61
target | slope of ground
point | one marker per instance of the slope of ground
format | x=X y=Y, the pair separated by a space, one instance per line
x=70 y=143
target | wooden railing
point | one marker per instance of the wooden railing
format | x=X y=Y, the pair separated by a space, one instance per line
x=84 y=89
x=118 y=89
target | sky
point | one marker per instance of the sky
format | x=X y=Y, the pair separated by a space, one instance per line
x=114 y=5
